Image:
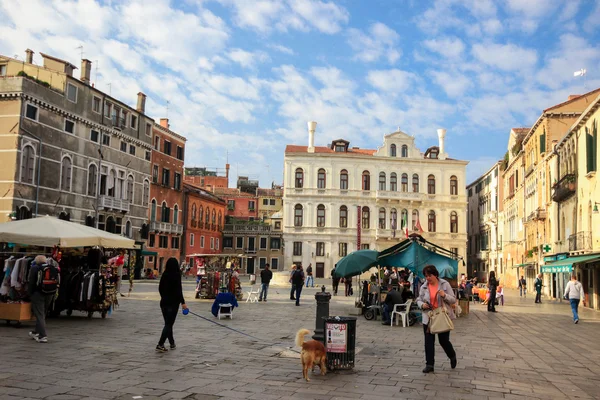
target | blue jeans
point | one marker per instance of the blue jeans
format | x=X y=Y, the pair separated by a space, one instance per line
x=298 y=291
x=522 y=291
x=310 y=279
x=385 y=313
x=264 y=288
x=574 y=306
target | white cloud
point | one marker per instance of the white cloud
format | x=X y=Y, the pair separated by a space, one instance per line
x=325 y=16
x=449 y=47
x=392 y=80
x=507 y=57
x=247 y=59
x=281 y=49
x=379 y=42
x=454 y=84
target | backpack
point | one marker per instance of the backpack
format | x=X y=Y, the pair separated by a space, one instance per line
x=48 y=279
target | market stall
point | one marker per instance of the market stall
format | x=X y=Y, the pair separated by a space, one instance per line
x=216 y=271
x=88 y=282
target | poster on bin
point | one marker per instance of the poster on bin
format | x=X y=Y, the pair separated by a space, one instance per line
x=336 y=337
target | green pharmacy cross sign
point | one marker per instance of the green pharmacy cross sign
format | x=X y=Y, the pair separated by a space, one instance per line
x=547 y=248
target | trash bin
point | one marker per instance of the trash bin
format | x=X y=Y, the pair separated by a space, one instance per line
x=340 y=342
x=252 y=279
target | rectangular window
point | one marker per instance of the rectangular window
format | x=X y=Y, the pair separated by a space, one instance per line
x=132 y=150
x=261 y=262
x=69 y=126
x=320 y=249
x=364 y=246
x=239 y=242
x=124 y=147
x=107 y=109
x=275 y=243
x=152 y=238
x=167 y=147
x=156 y=143
x=212 y=243
x=165 y=176
x=251 y=205
x=228 y=242
x=202 y=241
x=31 y=112
x=231 y=204
x=274 y=263
x=106 y=140
x=94 y=136
x=297 y=249
x=3 y=70
x=454 y=250
x=180 y=153
x=263 y=243
x=148 y=129
x=148 y=155
x=272 y=202
x=177 y=183
x=155 y=174
x=163 y=242
x=343 y=249
x=265 y=202
x=175 y=242
x=133 y=121
x=96 y=104
x=191 y=240
x=217 y=244
x=278 y=225
x=72 y=93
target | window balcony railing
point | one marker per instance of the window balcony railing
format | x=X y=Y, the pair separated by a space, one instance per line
x=580 y=241
x=110 y=203
x=564 y=188
x=166 y=227
x=118 y=122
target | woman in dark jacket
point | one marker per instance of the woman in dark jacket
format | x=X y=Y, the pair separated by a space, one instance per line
x=171 y=296
x=492 y=286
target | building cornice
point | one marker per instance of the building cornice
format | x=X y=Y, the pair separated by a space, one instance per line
x=169 y=132
x=352 y=158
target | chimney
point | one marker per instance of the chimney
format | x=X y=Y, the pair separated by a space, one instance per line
x=312 y=126
x=141 y=104
x=227 y=173
x=29 y=56
x=164 y=122
x=441 y=136
x=86 y=71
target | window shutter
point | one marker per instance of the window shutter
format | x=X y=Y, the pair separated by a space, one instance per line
x=588 y=151
x=543 y=142
x=594 y=146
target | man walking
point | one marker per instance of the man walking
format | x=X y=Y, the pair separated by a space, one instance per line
x=265 y=278
x=293 y=290
x=298 y=282
x=574 y=293
x=522 y=287
x=335 y=281
x=44 y=279
x=538 y=288
x=309 y=276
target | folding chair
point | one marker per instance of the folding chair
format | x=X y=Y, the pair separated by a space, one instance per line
x=403 y=314
x=225 y=310
x=253 y=295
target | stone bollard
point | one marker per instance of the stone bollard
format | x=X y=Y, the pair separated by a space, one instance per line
x=322 y=313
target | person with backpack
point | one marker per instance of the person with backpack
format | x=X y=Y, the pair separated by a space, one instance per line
x=298 y=282
x=44 y=281
x=574 y=293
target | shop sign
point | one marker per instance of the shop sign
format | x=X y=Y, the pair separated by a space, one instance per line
x=336 y=335
x=557 y=269
x=557 y=257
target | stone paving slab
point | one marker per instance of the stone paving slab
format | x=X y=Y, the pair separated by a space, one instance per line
x=524 y=351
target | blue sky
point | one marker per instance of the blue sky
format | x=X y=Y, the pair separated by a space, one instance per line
x=242 y=77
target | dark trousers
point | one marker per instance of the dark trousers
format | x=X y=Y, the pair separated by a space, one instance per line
x=385 y=313
x=336 y=284
x=40 y=304
x=169 y=314
x=430 y=346
x=298 y=291
x=292 y=292
x=538 y=296
x=492 y=301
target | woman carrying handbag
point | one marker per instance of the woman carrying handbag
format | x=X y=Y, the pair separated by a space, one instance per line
x=434 y=297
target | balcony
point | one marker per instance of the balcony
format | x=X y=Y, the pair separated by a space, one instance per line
x=117 y=122
x=540 y=214
x=564 y=188
x=165 y=227
x=580 y=241
x=530 y=169
x=490 y=216
x=247 y=228
x=110 y=203
x=483 y=255
x=393 y=195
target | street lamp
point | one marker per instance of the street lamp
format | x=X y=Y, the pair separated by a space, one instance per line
x=595 y=211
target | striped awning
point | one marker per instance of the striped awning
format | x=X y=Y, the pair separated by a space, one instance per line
x=566 y=265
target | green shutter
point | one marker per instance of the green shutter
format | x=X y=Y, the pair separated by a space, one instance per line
x=543 y=142
x=594 y=147
x=589 y=142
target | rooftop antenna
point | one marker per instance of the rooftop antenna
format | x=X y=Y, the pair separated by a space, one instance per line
x=582 y=72
x=96 y=79
x=80 y=48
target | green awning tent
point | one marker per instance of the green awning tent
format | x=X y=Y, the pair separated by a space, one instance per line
x=524 y=265
x=415 y=254
x=148 y=253
x=356 y=263
x=566 y=265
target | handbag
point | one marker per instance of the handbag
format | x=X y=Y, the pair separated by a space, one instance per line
x=439 y=320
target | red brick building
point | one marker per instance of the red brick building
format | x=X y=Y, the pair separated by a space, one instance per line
x=207 y=179
x=166 y=196
x=204 y=218
x=240 y=205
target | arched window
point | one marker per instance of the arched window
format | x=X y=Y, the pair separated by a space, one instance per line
x=176 y=214
x=431 y=184
x=214 y=217
x=128 y=229
x=111 y=225
x=453 y=185
x=27 y=164
x=344 y=179
x=393 y=150
x=415 y=219
x=382 y=218
x=453 y=222
x=393 y=182
x=165 y=213
x=404 y=182
x=393 y=219
x=207 y=219
x=299 y=182
x=431 y=221
x=298 y=215
x=65 y=174
x=366 y=218
x=415 y=183
x=343 y=217
x=200 y=215
x=89 y=221
x=320 y=215
x=220 y=220
x=404 y=219
x=146 y=194
x=153 y=211
x=112 y=180
x=382 y=181
x=130 y=188
x=321 y=179
x=193 y=212
x=92 y=180
x=366 y=180
x=404 y=150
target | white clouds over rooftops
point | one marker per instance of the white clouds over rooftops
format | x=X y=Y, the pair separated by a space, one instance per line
x=379 y=42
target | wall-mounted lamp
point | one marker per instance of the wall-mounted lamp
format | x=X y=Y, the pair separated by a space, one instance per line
x=595 y=210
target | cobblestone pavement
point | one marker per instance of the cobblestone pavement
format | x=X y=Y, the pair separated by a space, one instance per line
x=525 y=351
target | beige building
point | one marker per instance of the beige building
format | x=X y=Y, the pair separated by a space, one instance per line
x=270 y=201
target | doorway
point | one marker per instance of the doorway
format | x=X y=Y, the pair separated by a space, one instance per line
x=320 y=271
x=249 y=266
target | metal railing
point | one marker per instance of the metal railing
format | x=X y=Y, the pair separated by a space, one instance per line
x=166 y=227
x=564 y=188
x=580 y=241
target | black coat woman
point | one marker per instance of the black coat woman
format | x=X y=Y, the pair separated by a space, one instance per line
x=492 y=286
x=171 y=296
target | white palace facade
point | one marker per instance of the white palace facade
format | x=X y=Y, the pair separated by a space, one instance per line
x=330 y=193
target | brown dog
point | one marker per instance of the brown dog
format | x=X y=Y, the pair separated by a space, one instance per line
x=313 y=353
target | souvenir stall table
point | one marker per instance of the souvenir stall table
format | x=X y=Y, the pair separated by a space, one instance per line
x=217 y=271
x=49 y=233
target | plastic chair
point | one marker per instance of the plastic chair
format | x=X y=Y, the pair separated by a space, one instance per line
x=403 y=314
x=225 y=310
x=253 y=295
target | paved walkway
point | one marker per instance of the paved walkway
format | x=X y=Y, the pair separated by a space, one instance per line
x=525 y=351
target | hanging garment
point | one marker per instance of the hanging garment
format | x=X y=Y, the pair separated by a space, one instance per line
x=8 y=267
